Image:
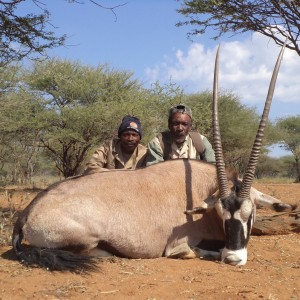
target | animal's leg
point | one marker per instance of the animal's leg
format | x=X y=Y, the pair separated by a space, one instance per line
x=271 y=202
x=182 y=251
x=99 y=249
x=185 y=252
x=207 y=254
x=96 y=252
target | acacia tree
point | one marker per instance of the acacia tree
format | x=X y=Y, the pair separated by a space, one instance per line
x=83 y=106
x=19 y=134
x=276 y=19
x=22 y=35
x=289 y=129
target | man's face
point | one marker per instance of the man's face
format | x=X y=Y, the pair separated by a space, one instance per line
x=129 y=141
x=180 y=125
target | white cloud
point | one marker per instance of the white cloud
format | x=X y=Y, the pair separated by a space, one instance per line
x=245 y=68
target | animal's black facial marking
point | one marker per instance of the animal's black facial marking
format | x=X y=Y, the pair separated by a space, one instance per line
x=238 y=219
x=232 y=203
x=235 y=236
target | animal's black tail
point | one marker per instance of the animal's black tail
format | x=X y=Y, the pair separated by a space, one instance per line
x=50 y=259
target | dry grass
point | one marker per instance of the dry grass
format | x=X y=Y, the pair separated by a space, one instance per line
x=275 y=180
x=8 y=215
x=73 y=286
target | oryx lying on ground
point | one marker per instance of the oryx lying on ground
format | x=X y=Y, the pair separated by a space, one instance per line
x=140 y=214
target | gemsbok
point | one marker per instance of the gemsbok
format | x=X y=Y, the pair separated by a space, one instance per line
x=179 y=209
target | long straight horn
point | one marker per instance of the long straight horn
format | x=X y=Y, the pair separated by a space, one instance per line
x=249 y=175
x=221 y=174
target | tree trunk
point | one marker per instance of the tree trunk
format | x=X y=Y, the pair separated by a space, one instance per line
x=297 y=169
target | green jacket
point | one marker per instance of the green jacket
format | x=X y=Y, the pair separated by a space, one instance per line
x=188 y=150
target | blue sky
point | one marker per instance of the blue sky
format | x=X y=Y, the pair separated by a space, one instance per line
x=142 y=38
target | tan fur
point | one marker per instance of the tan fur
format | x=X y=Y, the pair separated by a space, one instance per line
x=140 y=213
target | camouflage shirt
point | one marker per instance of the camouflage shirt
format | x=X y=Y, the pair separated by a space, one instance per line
x=110 y=156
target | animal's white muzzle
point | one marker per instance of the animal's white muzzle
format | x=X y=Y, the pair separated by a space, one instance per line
x=234 y=257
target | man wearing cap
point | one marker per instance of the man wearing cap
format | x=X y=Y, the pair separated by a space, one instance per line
x=122 y=152
x=179 y=141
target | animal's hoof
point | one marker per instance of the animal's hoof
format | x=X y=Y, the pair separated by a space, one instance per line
x=281 y=207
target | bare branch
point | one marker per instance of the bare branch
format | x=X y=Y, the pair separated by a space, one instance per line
x=28 y=35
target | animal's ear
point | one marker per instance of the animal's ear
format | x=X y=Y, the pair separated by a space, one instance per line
x=196 y=210
x=205 y=205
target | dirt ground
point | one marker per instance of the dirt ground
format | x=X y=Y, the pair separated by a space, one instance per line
x=272 y=270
